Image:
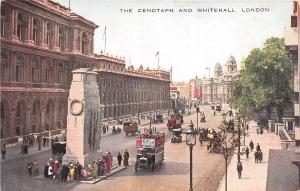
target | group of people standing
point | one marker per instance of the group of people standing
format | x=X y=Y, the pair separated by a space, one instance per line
x=74 y=171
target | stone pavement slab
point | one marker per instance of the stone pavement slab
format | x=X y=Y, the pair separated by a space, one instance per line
x=254 y=175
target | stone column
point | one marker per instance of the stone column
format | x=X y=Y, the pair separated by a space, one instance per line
x=12 y=123
x=75 y=44
x=29 y=32
x=42 y=125
x=13 y=25
x=43 y=34
x=66 y=39
x=28 y=120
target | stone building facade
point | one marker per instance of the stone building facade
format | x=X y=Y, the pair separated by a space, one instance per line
x=195 y=89
x=292 y=42
x=41 y=43
x=217 y=88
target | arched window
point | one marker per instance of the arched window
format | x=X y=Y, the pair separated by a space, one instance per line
x=49 y=72
x=35 y=70
x=2 y=111
x=20 y=119
x=84 y=43
x=60 y=73
x=36 y=33
x=21 y=27
x=19 y=68
x=4 y=66
x=36 y=116
x=4 y=21
x=49 y=118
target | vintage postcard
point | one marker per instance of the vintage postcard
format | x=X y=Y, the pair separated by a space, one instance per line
x=137 y=95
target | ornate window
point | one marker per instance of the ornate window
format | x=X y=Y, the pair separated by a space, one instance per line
x=84 y=43
x=61 y=38
x=19 y=69
x=4 y=22
x=48 y=73
x=35 y=70
x=49 y=33
x=36 y=33
x=60 y=73
x=21 y=27
x=4 y=67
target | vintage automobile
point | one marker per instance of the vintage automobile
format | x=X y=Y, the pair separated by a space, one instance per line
x=176 y=137
x=158 y=119
x=202 y=117
x=150 y=150
x=130 y=127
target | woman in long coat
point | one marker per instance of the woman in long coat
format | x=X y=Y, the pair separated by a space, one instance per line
x=95 y=169
x=108 y=164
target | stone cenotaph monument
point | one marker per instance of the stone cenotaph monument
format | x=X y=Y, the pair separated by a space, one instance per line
x=84 y=115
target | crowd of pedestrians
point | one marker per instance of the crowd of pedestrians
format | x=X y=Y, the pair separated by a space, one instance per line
x=74 y=171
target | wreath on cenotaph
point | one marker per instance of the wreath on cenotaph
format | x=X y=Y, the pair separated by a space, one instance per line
x=76 y=107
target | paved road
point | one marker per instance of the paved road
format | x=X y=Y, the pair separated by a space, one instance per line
x=208 y=168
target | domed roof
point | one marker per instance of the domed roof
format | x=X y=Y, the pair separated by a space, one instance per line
x=231 y=60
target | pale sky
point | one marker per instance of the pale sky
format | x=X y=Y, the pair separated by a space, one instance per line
x=189 y=42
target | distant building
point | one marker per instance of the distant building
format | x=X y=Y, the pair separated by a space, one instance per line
x=183 y=89
x=217 y=88
x=195 y=89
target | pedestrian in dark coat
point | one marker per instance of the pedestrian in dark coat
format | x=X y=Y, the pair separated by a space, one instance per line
x=251 y=145
x=239 y=169
x=79 y=169
x=256 y=156
x=44 y=141
x=126 y=158
x=64 y=172
x=29 y=167
x=258 y=147
x=247 y=152
x=119 y=157
x=3 y=151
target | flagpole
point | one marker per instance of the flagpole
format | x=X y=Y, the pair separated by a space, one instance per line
x=104 y=36
x=158 y=62
x=105 y=40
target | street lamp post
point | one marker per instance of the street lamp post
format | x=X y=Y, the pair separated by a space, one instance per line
x=191 y=141
x=239 y=137
x=197 y=110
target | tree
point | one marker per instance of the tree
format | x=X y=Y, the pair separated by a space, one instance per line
x=265 y=81
x=227 y=146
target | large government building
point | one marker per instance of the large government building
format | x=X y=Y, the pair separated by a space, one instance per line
x=292 y=42
x=41 y=43
x=217 y=88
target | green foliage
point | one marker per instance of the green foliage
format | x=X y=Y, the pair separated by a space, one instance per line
x=265 y=79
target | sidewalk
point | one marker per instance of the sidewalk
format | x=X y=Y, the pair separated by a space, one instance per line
x=90 y=180
x=254 y=175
